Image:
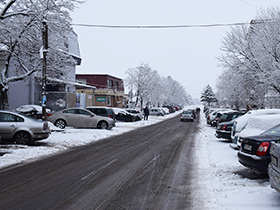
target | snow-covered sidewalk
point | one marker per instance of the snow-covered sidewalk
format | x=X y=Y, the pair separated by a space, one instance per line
x=222 y=182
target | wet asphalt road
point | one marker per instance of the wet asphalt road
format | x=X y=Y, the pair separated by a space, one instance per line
x=148 y=168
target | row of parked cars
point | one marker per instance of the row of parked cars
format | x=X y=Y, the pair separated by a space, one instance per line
x=256 y=136
x=23 y=127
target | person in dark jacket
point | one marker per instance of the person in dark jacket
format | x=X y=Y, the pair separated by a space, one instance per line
x=146 y=113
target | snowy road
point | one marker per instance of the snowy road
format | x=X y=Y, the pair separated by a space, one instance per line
x=218 y=180
x=148 y=168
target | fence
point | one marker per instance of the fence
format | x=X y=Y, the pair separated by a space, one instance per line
x=61 y=100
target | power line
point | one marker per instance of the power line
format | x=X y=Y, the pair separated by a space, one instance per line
x=249 y=4
x=160 y=27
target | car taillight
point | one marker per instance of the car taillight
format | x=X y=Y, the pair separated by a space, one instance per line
x=138 y=111
x=262 y=149
x=110 y=116
x=49 y=114
x=45 y=126
x=224 y=127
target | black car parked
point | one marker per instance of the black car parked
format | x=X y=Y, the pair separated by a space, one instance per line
x=122 y=115
x=224 y=130
x=229 y=116
x=102 y=111
x=254 y=150
x=225 y=117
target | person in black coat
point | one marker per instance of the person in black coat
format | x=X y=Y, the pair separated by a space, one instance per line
x=146 y=113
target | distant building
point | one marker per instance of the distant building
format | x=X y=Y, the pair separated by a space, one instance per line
x=109 y=89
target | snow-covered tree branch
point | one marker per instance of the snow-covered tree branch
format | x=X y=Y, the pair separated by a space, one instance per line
x=21 y=39
x=149 y=88
x=251 y=59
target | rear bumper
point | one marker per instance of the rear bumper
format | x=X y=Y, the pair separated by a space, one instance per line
x=254 y=162
x=223 y=134
x=40 y=136
x=186 y=118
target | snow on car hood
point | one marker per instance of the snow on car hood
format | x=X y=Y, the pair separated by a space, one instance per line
x=243 y=120
x=258 y=124
x=28 y=108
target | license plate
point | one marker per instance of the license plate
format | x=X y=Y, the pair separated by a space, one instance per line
x=274 y=160
x=247 y=147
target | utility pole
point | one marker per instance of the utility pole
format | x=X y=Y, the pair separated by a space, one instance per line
x=44 y=50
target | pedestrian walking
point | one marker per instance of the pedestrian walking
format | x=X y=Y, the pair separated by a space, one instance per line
x=146 y=113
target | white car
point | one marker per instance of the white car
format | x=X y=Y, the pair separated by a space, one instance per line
x=241 y=122
x=187 y=115
x=257 y=125
x=166 y=110
x=34 y=111
x=156 y=111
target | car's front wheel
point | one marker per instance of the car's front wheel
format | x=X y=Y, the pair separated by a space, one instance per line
x=22 y=138
x=103 y=125
x=60 y=123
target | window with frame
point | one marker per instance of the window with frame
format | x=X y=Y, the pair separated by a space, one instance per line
x=7 y=117
x=116 y=84
x=70 y=111
x=84 y=112
x=110 y=83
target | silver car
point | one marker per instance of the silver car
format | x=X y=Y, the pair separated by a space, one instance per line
x=78 y=117
x=156 y=111
x=20 y=129
x=186 y=115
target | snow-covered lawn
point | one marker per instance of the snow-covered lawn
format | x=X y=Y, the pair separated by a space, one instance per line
x=221 y=182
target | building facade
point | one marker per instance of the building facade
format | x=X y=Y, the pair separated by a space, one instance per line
x=29 y=90
x=109 y=89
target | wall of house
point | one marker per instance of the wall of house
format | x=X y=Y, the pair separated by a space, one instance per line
x=100 y=81
x=19 y=94
x=29 y=90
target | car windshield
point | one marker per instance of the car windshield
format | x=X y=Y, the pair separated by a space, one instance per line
x=275 y=131
x=223 y=117
x=186 y=112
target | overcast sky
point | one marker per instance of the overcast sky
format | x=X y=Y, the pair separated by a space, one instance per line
x=188 y=55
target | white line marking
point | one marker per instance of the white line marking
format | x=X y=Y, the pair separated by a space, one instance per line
x=96 y=171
